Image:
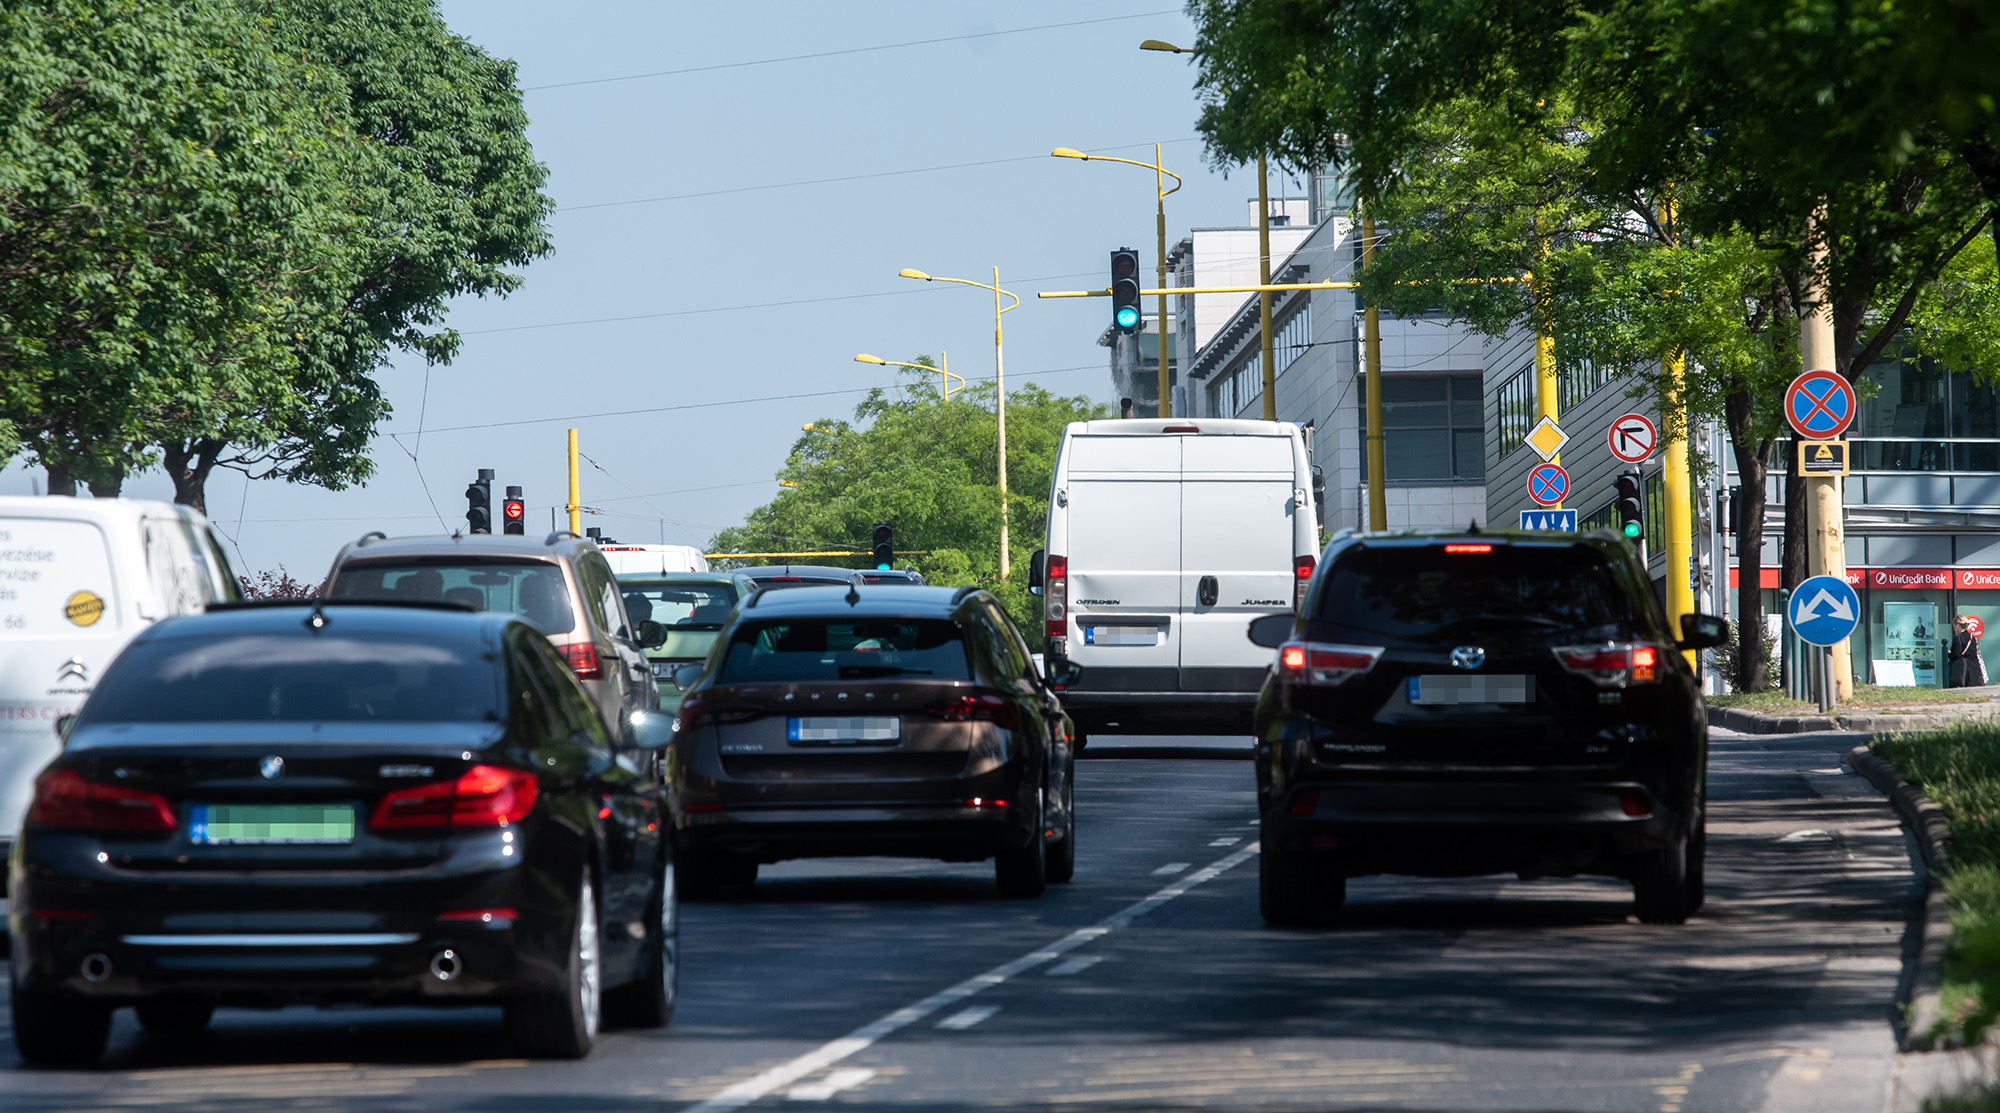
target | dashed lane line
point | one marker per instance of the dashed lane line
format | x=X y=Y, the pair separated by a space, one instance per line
x=966 y=1018
x=785 y=1074
x=1072 y=966
x=1171 y=868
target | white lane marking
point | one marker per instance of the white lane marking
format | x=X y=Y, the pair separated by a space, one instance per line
x=1227 y=840
x=966 y=1018
x=833 y=1051
x=1814 y=835
x=1171 y=868
x=1077 y=965
x=846 y=1078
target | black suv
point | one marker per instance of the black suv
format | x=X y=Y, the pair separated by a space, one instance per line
x=1457 y=704
x=893 y=720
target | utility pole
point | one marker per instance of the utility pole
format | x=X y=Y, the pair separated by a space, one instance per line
x=1264 y=296
x=1160 y=231
x=1371 y=356
x=1000 y=400
x=1826 y=552
x=575 y=506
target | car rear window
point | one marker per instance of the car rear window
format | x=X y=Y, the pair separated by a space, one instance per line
x=1414 y=593
x=810 y=649
x=687 y=606
x=534 y=590
x=288 y=677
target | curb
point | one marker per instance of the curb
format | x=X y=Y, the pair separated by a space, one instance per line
x=1869 y=722
x=1926 y=823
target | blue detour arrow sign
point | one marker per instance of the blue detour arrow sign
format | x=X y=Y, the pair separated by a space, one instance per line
x=1824 y=610
x=1563 y=520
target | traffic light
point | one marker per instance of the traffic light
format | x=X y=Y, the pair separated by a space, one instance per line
x=513 y=513
x=479 y=503
x=885 y=546
x=1125 y=313
x=1631 y=505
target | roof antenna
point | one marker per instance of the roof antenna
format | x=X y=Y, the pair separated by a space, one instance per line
x=316 y=621
x=1474 y=527
x=853 y=593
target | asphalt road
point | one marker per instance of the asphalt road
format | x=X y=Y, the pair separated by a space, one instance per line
x=1150 y=983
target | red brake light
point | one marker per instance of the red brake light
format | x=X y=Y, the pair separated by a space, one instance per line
x=480 y=915
x=696 y=710
x=1612 y=665
x=582 y=658
x=1055 y=595
x=1302 y=566
x=1292 y=658
x=482 y=796
x=64 y=799
x=988 y=709
x=1480 y=547
x=1181 y=429
x=1320 y=663
x=1645 y=657
x=1302 y=571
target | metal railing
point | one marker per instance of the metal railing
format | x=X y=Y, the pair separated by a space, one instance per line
x=1806 y=668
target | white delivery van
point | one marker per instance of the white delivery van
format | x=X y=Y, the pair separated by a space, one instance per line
x=652 y=560
x=1165 y=539
x=79 y=578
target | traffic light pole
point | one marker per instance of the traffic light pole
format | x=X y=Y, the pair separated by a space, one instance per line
x=575 y=506
x=1264 y=296
x=1000 y=414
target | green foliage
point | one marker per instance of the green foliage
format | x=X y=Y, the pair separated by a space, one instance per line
x=927 y=467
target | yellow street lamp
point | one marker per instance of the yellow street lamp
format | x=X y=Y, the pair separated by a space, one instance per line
x=999 y=383
x=944 y=376
x=1160 y=174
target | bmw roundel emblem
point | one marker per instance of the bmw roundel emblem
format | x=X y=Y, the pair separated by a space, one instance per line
x=271 y=768
x=1468 y=657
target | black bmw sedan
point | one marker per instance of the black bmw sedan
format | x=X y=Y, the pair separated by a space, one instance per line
x=1456 y=704
x=321 y=804
x=889 y=720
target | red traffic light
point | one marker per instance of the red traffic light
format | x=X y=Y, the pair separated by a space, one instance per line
x=513 y=509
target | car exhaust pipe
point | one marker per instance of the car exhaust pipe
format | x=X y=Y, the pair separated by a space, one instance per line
x=445 y=965
x=96 y=968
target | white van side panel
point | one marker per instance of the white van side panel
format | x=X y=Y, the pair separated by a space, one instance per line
x=1124 y=525
x=1237 y=504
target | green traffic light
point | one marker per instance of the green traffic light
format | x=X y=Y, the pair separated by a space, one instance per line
x=882 y=568
x=1128 y=316
x=1633 y=529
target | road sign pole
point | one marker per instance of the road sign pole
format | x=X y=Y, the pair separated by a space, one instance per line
x=1827 y=551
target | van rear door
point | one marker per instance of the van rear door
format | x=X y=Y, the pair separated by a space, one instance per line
x=1124 y=518
x=1237 y=505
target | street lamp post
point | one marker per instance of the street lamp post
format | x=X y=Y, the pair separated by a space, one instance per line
x=999 y=383
x=945 y=389
x=1160 y=175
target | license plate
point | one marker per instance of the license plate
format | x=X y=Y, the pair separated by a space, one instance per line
x=1440 y=689
x=1121 y=635
x=845 y=728
x=664 y=670
x=323 y=824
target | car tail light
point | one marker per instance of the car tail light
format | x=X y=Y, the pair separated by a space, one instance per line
x=582 y=658
x=979 y=709
x=1323 y=663
x=1055 y=595
x=64 y=799
x=480 y=915
x=1305 y=801
x=1302 y=574
x=482 y=796
x=1632 y=801
x=1612 y=665
x=698 y=710
x=985 y=802
x=1468 y=548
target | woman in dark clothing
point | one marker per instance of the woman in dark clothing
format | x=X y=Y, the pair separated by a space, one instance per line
x=1959 y=654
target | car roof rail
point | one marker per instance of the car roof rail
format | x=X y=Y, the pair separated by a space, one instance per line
x=371 y=537
x=958 y=596
x=556 y=535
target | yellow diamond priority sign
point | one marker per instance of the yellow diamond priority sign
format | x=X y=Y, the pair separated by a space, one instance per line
x=1547 y=439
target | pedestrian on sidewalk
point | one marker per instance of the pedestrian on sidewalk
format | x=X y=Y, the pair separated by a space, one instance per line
x=1963 y=655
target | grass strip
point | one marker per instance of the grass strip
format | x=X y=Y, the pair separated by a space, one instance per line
x=1871 y=696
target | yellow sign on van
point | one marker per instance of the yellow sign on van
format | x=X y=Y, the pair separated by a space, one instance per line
x=84 y=608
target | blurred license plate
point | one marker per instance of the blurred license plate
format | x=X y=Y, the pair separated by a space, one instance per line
x=664 y=670
x=1445 y=689
x=1121 y=635
x=849 y=728
x=213 y=824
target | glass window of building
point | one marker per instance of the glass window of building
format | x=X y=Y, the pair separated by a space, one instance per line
x=1433 y=428
x=1917 y=412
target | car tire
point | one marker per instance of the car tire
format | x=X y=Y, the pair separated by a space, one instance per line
x=563 y=1024
x=1660 y=884
x=51 y=1030
x=1061 y=857
x=648 y=1001
x=1291 y=892
x=175 y=1016
x=1022 y=872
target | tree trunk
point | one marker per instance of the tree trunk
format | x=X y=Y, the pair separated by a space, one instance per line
x=62 y=481
x=107 y=487
x=188 y=464
x=1752 y=465
x=1793 y=564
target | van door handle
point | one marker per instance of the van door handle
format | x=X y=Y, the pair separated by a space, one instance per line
x=1206 y=591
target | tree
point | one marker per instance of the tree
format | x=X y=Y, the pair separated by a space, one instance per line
x=170 y=214
x=926 y=466
x=450 y=197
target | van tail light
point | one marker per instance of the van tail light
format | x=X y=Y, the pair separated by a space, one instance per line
x=1612 y=665
x=482 y=796
x=1055 y=595
x=1302 y=574
x=979 y=709
x=1323 y=663
x=64 y=799
x=582 y=658
x=698 y=711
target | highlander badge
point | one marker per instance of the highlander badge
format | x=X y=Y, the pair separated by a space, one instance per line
x=1468 y=657
x=271 y=768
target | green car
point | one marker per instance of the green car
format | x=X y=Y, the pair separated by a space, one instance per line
x=690 y=607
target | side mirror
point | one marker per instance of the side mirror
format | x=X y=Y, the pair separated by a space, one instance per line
x=652 y=635
x=1703 y=631
x=65 y=724
x=686 y=675
x=1035 y=564
x=1064 y=673
x=651 y=730
x=1271 y=630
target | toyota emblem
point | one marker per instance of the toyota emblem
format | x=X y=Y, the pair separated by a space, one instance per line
x=271 y=768
x=1468 y=657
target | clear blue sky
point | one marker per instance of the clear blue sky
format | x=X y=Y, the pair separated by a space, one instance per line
x=1047 y=223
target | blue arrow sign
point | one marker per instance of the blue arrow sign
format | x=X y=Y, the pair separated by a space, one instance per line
x=1824 y=610
x=1563 y=520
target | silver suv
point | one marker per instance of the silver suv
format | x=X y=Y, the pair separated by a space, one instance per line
x=562 y=585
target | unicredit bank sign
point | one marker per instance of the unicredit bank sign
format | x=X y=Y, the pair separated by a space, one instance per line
x=1979 y=577
x=1909 y=578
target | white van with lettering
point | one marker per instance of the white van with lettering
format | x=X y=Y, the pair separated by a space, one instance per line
x=79 y=578
x=1165 y=538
